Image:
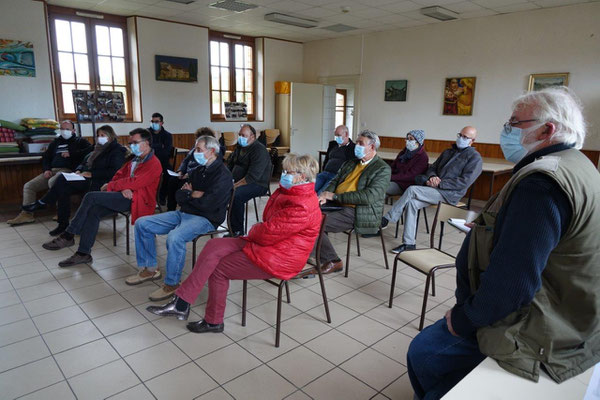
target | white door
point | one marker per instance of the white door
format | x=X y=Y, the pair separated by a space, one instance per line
x=306 y=118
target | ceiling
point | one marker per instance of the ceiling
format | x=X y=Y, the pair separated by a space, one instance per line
x=365 y=15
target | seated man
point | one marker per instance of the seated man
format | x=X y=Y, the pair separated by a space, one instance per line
x=250 y=165
x=339 y=151
x=409 y=163
x=64 y=154
x=359 y=187
x=162 y=144
x=447 y=180
x=132 y=188
x=528 y=297
x=203 y=201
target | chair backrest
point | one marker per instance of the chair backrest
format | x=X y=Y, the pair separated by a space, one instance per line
x=230 y=138
x=271 y=135
x=446 y=211
x=320 y=237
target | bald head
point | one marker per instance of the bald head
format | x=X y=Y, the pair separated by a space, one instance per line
x=470 y=132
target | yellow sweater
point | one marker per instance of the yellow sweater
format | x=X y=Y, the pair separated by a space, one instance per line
x=350 y=184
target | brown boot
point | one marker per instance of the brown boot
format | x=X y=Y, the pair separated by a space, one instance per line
x=24 y=217
x=164 y=292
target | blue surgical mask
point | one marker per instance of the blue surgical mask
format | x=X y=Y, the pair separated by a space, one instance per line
x=66 y=134
x=242 y=141
x=102 y=140
x=462 y=143
x=200 y=158
x=511 y=145
x=286 y=180
x=135 y=149
x=155 y=126
x=359 y=151
x=412 y=145
x=339 y=139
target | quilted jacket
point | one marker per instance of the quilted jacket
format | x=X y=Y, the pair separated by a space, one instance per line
x=281 y=244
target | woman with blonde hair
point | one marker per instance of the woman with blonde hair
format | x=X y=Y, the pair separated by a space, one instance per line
x=278 y=247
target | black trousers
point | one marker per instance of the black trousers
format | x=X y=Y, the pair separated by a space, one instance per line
x=242 y=195
x=174 y=184
x=61 y=193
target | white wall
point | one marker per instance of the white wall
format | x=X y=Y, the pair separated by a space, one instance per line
x=22 y=97
x=501 y=51
x=185 y=106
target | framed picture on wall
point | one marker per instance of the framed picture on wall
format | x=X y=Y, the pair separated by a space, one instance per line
x=396 y=90
x=16 y=58
x=543 y=81
x=458 y=96
x=176 y=69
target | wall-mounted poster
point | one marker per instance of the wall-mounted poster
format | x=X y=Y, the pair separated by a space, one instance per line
x=543 y=81
x=176 y=69
x=458 y=96
x=16 y=58
x=236 y=111
x=100 y=104
x=396 y=90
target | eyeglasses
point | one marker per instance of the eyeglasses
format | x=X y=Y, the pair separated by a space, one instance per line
x=510 y=124
x=460 y=135
x=290 y=172
x=136 y=141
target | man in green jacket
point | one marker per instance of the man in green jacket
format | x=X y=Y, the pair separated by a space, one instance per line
x=359 y=191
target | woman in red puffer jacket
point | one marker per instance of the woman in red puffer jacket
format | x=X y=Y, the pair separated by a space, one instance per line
x=278 y=247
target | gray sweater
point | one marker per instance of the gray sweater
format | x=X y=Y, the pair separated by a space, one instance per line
x=457 y=168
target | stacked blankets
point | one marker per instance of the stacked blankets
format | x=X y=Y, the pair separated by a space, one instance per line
x=40 y=130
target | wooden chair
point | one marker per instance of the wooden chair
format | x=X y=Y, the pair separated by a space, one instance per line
x=284 y=283
x=219 y=230
x=428 y=261
x=230 y=138
x=271 y=136
x=349 y=233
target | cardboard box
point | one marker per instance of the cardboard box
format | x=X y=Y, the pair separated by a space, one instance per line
x=36 y=147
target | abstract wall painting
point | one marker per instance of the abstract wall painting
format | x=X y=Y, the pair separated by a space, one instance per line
x=16 y=58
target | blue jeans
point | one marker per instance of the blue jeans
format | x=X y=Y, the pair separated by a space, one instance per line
x=438 y=360
x=322 y=180
x=181 y=228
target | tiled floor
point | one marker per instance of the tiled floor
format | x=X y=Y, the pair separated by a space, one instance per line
x=82 y=333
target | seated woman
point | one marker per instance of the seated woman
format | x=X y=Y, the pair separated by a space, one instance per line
x=98 y=168
x=409 y=163
x=188 y=165
x=278 y=248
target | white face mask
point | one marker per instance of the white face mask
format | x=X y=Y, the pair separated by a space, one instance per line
x=65 y=133
x=412 y=145
x=102 y=140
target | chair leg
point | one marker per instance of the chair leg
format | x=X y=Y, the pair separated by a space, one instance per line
x=393 y=282
x=432 y=284
x=287 y=292
x=417 y=227
x=127 y=234
x=441 y=234
x=325 y=303
x=244 y=293
x=425 y=218
x=427 y=281
x=255 y=208
x=348 y=254
x=387 y=266
x=194 y=252
x=357 y=244
x=246 y=216
x=397 y=227
x=115 y=230
x=278 y=323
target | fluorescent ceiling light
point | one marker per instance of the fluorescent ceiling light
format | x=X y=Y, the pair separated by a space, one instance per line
x=291 y=20
x=439 y=13
x=89 y=15
x=233 y=5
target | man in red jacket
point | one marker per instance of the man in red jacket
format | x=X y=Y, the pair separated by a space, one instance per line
x=133 y=188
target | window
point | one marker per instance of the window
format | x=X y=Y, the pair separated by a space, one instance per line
x=340 y=106
x=232 y=70
x=88 y=53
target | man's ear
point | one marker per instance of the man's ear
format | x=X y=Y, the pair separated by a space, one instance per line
x=549 y=130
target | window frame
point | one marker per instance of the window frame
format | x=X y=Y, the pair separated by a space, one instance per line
x=110 y=20
x=344 y=108
x=232 y=39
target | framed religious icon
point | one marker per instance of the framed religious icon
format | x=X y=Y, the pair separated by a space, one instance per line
x=458 y=96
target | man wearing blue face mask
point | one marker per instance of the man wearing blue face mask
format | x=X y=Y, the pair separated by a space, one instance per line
x=250 y=165
x=340 y=150
x=447 y=179
x=162 y=144
x=203 y=203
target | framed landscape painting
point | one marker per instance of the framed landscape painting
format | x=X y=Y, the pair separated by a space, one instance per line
x=396 y=90
x=176 y=69
x=543 y=81
x=458 y=96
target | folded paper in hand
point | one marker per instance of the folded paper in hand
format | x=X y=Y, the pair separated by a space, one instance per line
x=72 y=176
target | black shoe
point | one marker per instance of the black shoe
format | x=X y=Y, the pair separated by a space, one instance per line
x=169 y=309
x=203 y=327
x=34 y=206
x=403 y=247
x=384 y=222
x=372 y=235
x=234 y=234
x=58 y=230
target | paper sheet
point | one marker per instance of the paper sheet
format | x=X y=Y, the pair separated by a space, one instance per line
x=593 y=389
x=172 y=173
x=459 y=223
x=71 y=176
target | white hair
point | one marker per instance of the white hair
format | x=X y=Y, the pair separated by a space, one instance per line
x=344 y=129
x=372 y=136
x=210 y=143
x=561 y=107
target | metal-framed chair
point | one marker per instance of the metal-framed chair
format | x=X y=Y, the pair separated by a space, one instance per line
x=428 y=261
x=217 y=231
x=284 y=283
x=349 y=233
x=127 y=215
x=268 y=194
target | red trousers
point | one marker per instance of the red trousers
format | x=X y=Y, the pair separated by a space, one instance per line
x=221 y=260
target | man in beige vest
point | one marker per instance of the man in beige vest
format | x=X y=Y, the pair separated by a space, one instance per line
x=528 y=272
